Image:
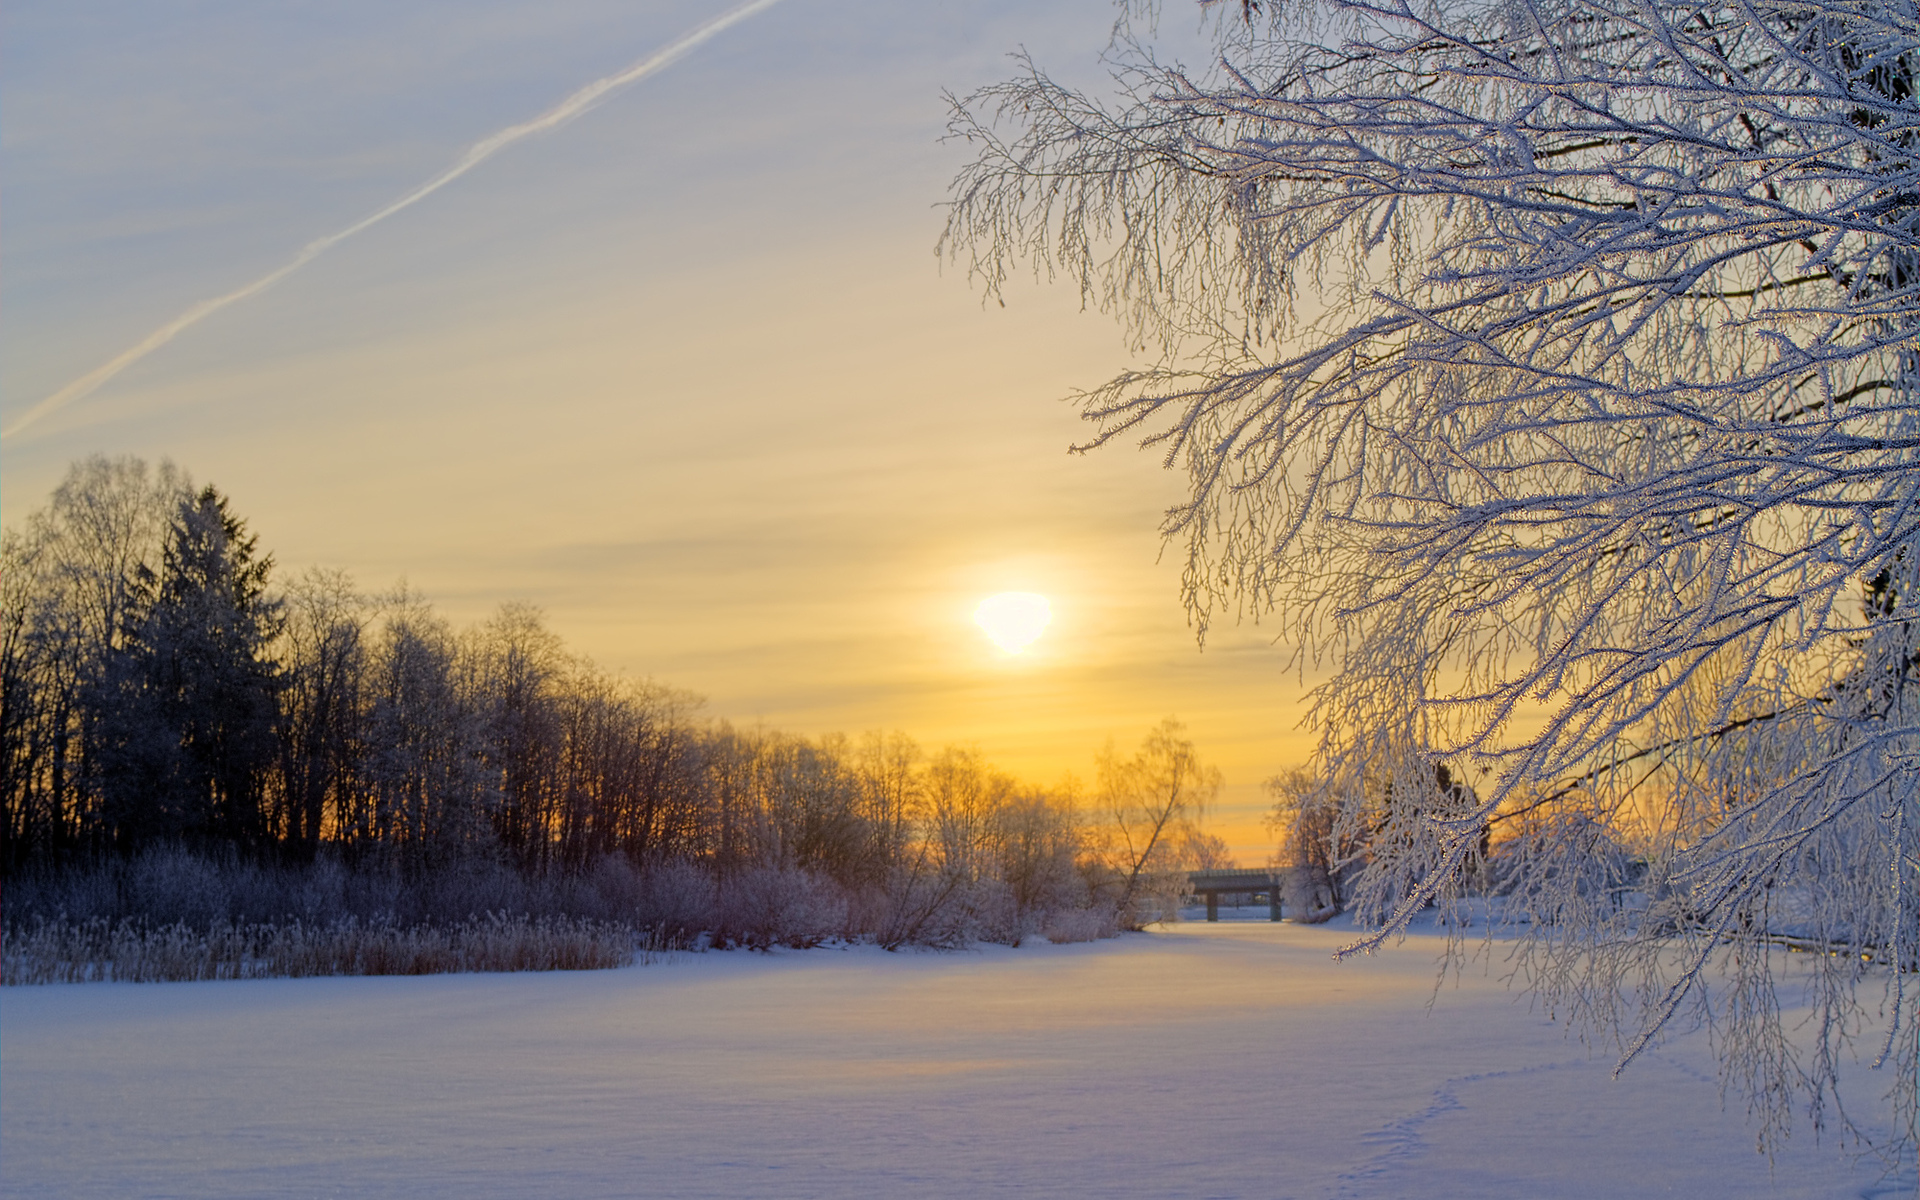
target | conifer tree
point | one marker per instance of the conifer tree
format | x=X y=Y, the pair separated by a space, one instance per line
x=185 y=719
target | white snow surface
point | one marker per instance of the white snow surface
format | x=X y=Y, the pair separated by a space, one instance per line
x=1228 y=1060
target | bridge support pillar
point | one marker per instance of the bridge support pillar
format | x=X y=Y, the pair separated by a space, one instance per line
x=1273 y=904
x=1213 y=906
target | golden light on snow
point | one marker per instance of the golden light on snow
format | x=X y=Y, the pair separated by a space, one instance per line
x=1013 y=619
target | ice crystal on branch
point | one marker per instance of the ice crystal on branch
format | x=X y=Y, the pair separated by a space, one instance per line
x=1546 y=369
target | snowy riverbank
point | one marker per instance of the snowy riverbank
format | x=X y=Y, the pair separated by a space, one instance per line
x=1232 y=1060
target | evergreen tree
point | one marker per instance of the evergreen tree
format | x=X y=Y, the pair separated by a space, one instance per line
x=185 y=721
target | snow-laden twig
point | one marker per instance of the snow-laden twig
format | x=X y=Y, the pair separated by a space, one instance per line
x=1547 y=370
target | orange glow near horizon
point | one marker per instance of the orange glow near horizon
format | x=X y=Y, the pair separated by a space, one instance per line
x=611 y=375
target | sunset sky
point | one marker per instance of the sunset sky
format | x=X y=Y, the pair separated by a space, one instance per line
x=685 y=371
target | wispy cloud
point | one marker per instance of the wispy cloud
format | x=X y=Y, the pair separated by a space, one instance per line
x=574 y=105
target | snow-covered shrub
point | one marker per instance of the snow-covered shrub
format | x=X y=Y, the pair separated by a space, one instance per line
x=993 y=914
x=764 y=907
x=678 y=902
x=463 y=889
x=612 y=889
x=918 y=907
x=169 y=886
x=1080 y=924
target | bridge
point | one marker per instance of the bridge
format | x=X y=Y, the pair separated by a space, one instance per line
x=1252 y=883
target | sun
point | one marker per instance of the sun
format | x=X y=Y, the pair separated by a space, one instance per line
x=1013 y=619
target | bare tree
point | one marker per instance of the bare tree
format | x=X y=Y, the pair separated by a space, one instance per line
x=323 y=655
x=885 y=765
x=520 y=667
x=1037 y=842
x=427 y=792
x=24 y=725
x=1152 y=804
x=72 y=583
x=1546 y=369
x=963 y=798
x=1317 y=849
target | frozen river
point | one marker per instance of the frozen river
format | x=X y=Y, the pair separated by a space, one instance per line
x=1232 y=1060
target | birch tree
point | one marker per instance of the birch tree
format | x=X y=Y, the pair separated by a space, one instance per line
x=427 y=794
x=71 y=585
x=1545 y=371
x=1152 y=803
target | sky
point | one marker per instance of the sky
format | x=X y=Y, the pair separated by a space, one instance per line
x=685 y=371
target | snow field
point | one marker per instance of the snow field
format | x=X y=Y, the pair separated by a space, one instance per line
x=1232 y=1060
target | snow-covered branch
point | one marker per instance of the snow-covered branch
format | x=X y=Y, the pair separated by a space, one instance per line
x=1547 y=370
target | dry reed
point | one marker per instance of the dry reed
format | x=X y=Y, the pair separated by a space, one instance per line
x=61 y=951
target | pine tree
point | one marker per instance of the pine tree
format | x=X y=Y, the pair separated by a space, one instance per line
x=186 y=722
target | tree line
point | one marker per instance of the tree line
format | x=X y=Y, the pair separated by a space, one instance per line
x=163 y=692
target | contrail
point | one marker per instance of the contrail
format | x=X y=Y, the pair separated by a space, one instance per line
x=476 y=154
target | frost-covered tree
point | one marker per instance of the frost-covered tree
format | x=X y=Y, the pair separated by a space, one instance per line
x=1317 y=847
x=69 y=582
x=323 y=659
x=520 y=670
x=426 y=794
x=1151 y=805
x=1546 y=370
x=1037 y=844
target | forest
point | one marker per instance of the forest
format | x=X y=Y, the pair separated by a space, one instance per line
x=212 y=771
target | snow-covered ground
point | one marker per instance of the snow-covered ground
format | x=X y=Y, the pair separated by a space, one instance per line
x=1205 y=1060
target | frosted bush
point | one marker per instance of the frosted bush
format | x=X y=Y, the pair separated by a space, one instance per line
x=1080 y=925
x=769 y=906
x=678 y=902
